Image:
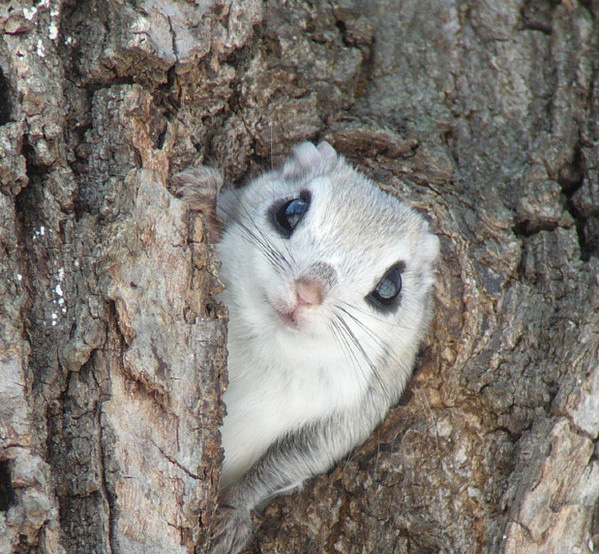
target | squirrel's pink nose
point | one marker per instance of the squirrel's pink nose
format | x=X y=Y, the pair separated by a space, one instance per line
x=309 y=292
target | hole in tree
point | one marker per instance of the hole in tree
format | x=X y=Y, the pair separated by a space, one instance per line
x=4 y=99
x=7 y=494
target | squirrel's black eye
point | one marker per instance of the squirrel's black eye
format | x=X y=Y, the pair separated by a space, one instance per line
x=286 y=216
x=387 y=290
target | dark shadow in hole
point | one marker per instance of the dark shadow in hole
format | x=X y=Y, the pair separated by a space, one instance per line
x=4 y=99
x=7 y=494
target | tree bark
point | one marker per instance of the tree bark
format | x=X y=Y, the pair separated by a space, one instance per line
x=112 y=351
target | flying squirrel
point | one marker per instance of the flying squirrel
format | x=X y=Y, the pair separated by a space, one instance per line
x=329 y=290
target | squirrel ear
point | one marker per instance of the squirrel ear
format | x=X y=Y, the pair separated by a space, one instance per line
x=431 y=247
x=328 y=153
x=309 y=160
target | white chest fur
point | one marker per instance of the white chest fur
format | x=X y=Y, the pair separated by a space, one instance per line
x=274 y=388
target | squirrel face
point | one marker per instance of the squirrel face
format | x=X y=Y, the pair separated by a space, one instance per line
x=322 y=266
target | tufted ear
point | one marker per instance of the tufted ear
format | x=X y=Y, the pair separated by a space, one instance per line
x=308 y=160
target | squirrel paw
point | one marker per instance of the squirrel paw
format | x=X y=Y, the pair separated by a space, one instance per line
x=232 y=532
x=199 y=188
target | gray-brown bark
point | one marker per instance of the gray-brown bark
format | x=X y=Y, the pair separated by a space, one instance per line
x=112 y=354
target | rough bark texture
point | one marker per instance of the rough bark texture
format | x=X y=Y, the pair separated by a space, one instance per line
x=486 y=114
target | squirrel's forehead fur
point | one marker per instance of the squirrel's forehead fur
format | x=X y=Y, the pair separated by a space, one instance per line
x=345 y=199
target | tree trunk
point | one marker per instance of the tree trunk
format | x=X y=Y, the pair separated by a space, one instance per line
x=112 y=356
